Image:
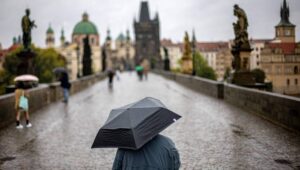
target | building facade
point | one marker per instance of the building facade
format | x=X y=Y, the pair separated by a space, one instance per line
x=174 y=53
x=280 y=59
x=73 y=51
x=217 y=55
x=120 y=52
x=147 y=37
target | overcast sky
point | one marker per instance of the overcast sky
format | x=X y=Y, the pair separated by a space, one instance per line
x=211 y=19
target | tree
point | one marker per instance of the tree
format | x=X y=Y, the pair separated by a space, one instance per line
x=44 y=62
x=259 y=75
x=203 y=69
x=87 y=60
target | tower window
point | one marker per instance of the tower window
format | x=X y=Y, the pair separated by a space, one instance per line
x=296 y=81
x=296 y=70
x=288 y=82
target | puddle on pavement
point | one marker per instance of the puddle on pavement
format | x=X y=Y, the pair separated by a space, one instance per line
x=8 y=158
x=239 y=131
x=283 y=161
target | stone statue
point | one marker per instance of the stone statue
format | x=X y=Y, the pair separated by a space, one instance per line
x=240 y=28
x=27 y=26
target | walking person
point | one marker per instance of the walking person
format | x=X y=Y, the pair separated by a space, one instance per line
x=110 y=74
x=21 y=104
x=145 y=64
x=66 y=85
x=159 y=153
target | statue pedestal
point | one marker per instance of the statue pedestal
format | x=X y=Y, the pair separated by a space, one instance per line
x=25 y=66
x=242 y=75
x=187 y=66
x=243 y=78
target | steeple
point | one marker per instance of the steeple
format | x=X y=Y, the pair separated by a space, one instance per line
x=50 y=37
x=144 y=13
x=285 y=30
x=108 y=37
x=285 y=14
x=127 y=35
x=62 y=37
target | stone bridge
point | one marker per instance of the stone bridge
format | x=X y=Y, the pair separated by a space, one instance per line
x=212 y=134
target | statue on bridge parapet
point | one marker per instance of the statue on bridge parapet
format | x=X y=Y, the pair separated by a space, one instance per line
x=166 y=60
x=27 y=26
x=26 y=66
x=241 y=50
x=240 y=28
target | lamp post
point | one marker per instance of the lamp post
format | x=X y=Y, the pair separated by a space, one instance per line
x=78 y=62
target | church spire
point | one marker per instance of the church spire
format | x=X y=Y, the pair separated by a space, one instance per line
x=285 y=14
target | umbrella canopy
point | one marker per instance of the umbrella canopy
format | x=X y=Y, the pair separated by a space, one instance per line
x=59 y=70
x=139 y=68
x=26 y=77
x=133 y=125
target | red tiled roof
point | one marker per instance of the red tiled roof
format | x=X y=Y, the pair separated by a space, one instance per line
x=10 y=49
x=211 y=46
x=166 y=42
x=287 y=48
x=13 y=47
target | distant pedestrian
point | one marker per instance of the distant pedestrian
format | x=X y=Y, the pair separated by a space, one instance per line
x=158 y=154
x=110 y=74
x=118 y=74
x=66 y=85
x=21 y=104
x=139 y=69
x=145 y=64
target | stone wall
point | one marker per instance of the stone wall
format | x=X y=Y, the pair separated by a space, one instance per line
x=209 y=87
x=279 y=109
x=42 y=96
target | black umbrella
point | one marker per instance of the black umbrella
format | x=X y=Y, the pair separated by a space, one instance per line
x=58 y=70
x=133 y=125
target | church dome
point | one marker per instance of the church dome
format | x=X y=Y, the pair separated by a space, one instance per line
x=85 y=26
x=50 y=30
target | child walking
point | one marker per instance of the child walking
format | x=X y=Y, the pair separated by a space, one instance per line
x=21 y=92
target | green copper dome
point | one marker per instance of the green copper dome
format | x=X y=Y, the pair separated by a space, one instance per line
x=85 y=26
x=50 y=30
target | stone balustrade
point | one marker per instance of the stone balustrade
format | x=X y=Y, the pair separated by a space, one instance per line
x=42 y=96
x=279 y=109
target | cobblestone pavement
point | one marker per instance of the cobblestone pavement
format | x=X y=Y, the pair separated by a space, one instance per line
x=211 y=135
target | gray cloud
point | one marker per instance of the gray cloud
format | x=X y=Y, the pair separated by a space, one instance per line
x=212 y=20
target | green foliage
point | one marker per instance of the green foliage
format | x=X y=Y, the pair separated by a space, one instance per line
x=260 y=75
x=45 y=61
x=203 y=69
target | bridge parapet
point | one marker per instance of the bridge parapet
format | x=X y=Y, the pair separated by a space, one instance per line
x=279 y=109
x=42 y=96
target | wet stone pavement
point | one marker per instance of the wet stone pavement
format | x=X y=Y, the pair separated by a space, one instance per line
x=211 y=135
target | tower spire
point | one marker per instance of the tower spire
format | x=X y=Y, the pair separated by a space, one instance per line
x=285 y=14
x=144 y=13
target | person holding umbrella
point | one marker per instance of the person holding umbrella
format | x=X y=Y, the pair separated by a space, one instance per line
x=21 y=98
x=134 y=129
x=65 y=84
x=159 y=153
